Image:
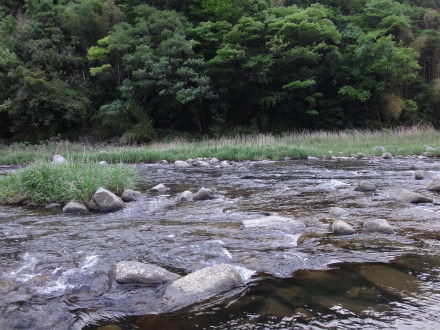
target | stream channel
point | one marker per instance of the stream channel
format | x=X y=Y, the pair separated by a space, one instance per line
x=54 y=267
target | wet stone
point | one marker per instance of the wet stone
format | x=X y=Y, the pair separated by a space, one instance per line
x=406 y=196
x=159 y=188
x=181 y=163
x=130 y=195
x=337 y=212
x=294 y=295
x=419 y=174
x=53 y=206
x=74 y=207
x=7 y=286
x=378 y=226
x=434 y=185
x=186 y=196
x=365 y=186
x=272 y=307
x=105 y=201
x=137 y=272
x=204 y=194
x=387 y=155
x=340 y=227
x=203 y=284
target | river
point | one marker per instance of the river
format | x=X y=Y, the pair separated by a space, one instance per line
x=54 y=267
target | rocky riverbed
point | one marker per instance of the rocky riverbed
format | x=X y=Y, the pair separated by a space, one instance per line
x=265 y=233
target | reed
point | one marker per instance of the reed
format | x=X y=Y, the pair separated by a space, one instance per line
x=400 y=141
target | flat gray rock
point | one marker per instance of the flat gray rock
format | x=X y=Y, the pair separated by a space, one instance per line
x=105 y=201
x=275 y=222
x=203 y=284
x=130 y=195
x=406 y=196
x=137 y=272
x=74 y=207
x=434 y=185
x=181 y=163
x=204 y=194
x=378 y=226
x=365 y=186
x=340 y=227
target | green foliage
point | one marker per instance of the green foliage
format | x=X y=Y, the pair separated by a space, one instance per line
x=42 y=183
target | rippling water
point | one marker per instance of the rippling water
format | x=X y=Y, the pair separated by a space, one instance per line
x=54 y=267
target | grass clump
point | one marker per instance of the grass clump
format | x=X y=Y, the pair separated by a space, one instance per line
x=42 y=183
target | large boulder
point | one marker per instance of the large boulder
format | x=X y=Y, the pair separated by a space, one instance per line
x=275 y=222
x=105 y=201
x=74 y=207
x=378 y=226
x=203 y=284
x=130 y=195
x=406 y=196
x=137 y=272
x=365 y=186
x=434 y=185
x=204 y=194
x=340 y=227
x=181 y=163
x=58 y=159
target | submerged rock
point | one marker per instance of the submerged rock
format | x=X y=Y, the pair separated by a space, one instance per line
x=159 y=188
x=74 y=207
x=53 y=206
x=434 y=185
x=204 y=194
x=8 y=286
x=58 y=159
x=137 y=272
x=130 y=195
x=105 y=201
x=186 y=196
x=340 y=227
x=365 y=186
x=275 y=222
x=406 y=196
x=203 y=284
x=378 y=226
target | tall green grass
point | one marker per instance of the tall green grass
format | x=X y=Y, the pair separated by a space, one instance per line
x=42 y=183
x=402 y=141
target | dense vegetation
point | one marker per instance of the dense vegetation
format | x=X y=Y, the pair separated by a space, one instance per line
x=142 y=69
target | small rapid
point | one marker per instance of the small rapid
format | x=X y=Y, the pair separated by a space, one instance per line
x=55 y=268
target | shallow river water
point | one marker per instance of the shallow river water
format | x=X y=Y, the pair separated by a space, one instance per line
x=54 y=267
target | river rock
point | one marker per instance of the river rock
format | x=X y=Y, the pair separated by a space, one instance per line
x=130 y=195
x=58 y=159
x=406 y=196
x=105 y=201
x=434 y=185
x=337 y=212
x=181 y=163
x=225 y=164
x=275 y=222
x=74 y=207
x=137 y=272
x=7 y=286
x=387 y=155
x=378 y=226
x=202 y=163
x=419 y=174
x=312 y=158
x=365 y=186
x=203 y=283
x=416 y=167
x=340 y=227
x=186 y=196
x=391 y=280
x=159 y=188
x=214 y=161
x=204 y=194
x=52 y=266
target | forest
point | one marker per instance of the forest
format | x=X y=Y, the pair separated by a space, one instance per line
x=142 y=70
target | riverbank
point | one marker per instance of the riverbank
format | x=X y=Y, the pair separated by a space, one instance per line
x=357 y=143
